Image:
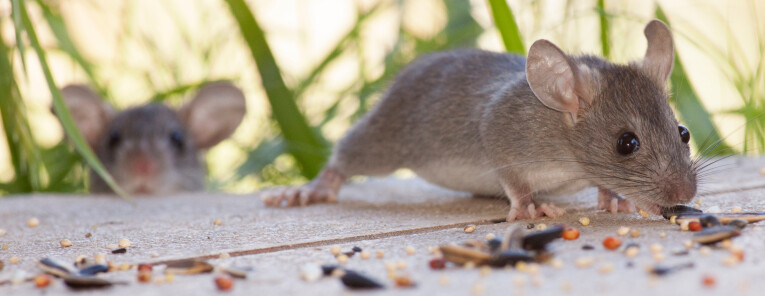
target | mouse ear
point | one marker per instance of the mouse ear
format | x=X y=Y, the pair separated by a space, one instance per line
x=90 y=112
x=214 y=113
x=553 y=79
x=660 y=54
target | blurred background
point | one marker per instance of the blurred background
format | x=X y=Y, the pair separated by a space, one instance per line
x=326 y=62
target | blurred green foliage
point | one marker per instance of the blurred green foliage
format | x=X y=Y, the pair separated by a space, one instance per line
x=298 y=151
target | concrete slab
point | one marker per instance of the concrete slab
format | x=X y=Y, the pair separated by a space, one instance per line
x=380 y=214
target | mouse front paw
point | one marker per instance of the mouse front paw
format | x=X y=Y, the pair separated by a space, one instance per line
x=532 y=211
x=612 y=202
x=322 y=189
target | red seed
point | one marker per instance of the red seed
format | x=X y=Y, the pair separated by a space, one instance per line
x=571 y=233
x=144 y=276
x=438 y=263
x=42 y=281
x=224 y=283
x=694 y=226
x=144 y=267
x=708 y=281
x=612 y=243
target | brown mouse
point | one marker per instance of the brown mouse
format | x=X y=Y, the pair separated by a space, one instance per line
x=504 y=125
x=153 y=149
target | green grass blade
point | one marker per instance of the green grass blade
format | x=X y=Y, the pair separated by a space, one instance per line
x=62 y=111
x=308 y=148
x=505 y=22
x=605 y=42
x=17 y=25
x=692 y=111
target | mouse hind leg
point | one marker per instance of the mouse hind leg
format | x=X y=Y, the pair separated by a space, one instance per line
x=361 y=152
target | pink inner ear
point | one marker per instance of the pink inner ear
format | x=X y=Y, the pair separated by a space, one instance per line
x=551 y=78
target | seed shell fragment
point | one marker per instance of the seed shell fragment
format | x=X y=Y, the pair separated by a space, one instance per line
x=189 y=267
x=355 y=280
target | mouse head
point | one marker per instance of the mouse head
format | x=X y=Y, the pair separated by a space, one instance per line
x=620 y=125
x=152 y=149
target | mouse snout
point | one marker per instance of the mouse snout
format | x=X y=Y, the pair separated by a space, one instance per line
x=681 y=190
x=143 y=165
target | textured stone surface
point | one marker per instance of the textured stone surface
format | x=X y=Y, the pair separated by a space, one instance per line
x=382 y=214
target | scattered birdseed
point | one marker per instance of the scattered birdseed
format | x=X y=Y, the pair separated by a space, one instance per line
x=584 y=262
x=737 y=210
x=623 y=230
x=656 y=248
x=144 y=276
x=541 y=226
x=335 y=250
x=708 y=281
x=737 y=252
x=631 y=252
x=224 y=256
x=145 y=267
x=644 y=213
x=124 y=243
x=490 y=236
x=224 y=283
x=571 y=233
x=65 y=243
x=470 y=228
x=726 y=244
x=658 y=257
x=437 y=263
x=730 y=261
x=401 y=264
x=663 y=235
x=342 y=258
x=688 y=244
x=33 y=222
x=119 y=251
x=443 y=280
x=673 y=220
x=42 y=280
x=588 y=247
x=380 y=254
x=635 y=233
x=403 y=281
x=612 y=243
x=356 y=249
x=410 y=250
x=556 y=263
x=584 y=221
x=125 y=266
x=6 y=247
x=310 y=272
x=606 y=268
x=217 y=222
x=530 y=226
x=13 y=260
x=169 y=277
x=112 y=246
x=88 y=235
x=365 y=255
x=694 y=226
x=99 y=258
x=685 y=225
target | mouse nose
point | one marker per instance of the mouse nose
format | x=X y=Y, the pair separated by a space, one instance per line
x=143 y=165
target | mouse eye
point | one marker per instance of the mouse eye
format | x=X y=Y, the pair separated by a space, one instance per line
x=685 y=134
x=627 y=144
x=176 y=137
x=114 y=140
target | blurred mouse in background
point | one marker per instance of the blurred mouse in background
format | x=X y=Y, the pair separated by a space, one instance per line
x=153 y=149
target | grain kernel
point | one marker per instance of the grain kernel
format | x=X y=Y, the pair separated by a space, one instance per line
x=6 y=247
x=658 y=257
x=606 y=268
x=380 y=254
x=99 y=259
x=635 y=233
x=401 y=264
x=124 y=243
x=490 y=236
x=335 y=250
x=685 y=225
x=470 y=228
x=65 y=243
x=584 y=221
x=644 y=214
x=584 y=262
x=410 y=250
x=342 y=258
x=365 y=255
x=623 y=230
x=42 y=280
x=632 y=252
x=111 y=246
x=726 y=244
x=688 y=244
x=144 y=276
x=33 y=222
x=656 y=248
x=541 y=226
x=556 y=263
x=217 y=222
x=737 y=210
x=705 y=251
x=443 y=280
x=3 y=232
x=663 y=235
x=224 y=283
x=673 y=220
x=13 y=260
x=612 y=243
x=224 y=256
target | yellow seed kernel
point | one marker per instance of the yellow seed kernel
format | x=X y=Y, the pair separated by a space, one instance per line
x=6 y=246
x=658 y=257
x=13 y=260
x=124 y=243
x=663 y=235
x=224 y=256
x=111 y=246
x=631 y=252
x=623 y=230
x=541 y=226
x=217 y=222
x=688 y=244
x=644 y=214
x=469 y=265
x=380 y=254
x=656 y=248
x=556 y=263
x=521 y=266
x=125 y=266
x=606 y=268
x=169 y=277
x=737 y=210
x=65 y=243
x=730 y=261
x=99 y=258
x=684 y=225
x=365 y=255
x=470 y=228
x=401 y=264
x=726 y=244
x=584 y=221
x=705 y=251
x=3 y=232
x=335 y=250
x=635 y=233
x=584 y=262
x=490 y=236
x=443 y=280
x=673 y=220
x=33 y=222
x=410 y=250
x=342 y=258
